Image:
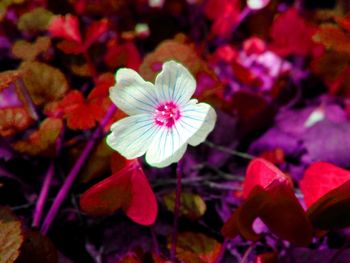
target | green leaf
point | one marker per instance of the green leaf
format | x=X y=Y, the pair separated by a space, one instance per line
x=192 y=205
x=197 y=248
x=44 y=83
x=36 y=20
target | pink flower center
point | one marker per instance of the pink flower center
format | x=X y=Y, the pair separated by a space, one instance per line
x=167 y=114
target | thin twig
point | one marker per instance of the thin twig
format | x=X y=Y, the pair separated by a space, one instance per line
x=230 y=151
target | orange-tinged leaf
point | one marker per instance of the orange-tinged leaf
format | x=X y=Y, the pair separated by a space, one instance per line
x=319 y=179
x=192 y=205
x=80 y=114
x=127 y=189
x=8 y=77
x=333 y=37
x=197 y=248
x=170 y=49
x=344 y=22
x=13 y=120
x=29 y=51
x=84 y=116
x=11 y=236
x=44 y=83
x=43 y=141
x=332 y=211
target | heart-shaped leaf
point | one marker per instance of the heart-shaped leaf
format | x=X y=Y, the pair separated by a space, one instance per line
x=263 y=173
x=128 y=189
x=319 y=179
x=270 y=198
x=333 y=209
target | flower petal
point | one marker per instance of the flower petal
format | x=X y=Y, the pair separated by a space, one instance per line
x=132 y=135
x=132 y=94
x=167 y=147
x=175 y=83
x=194 y=125
x=197 y=121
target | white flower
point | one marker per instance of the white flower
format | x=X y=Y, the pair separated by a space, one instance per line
x=257 y=4
x=163 y=118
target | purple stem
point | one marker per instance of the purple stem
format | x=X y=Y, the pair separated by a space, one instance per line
x=176 y=211
x=47 y=183
x=222 y=251
x=43 y=195
x=155 y=241
x=74 y=172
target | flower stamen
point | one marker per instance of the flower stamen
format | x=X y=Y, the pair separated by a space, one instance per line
x=167 y=114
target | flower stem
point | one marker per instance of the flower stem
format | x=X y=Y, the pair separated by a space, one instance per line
x=47 y=183
x=222 y=252
x=155 y=241
x=74 y=172
x=176 y=211
x=43 y=195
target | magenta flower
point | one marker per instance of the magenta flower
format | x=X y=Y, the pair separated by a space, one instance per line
x=163 y=118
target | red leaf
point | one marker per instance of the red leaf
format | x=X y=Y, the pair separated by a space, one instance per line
x=319 y=179
x=279 y=209
x=296 y=39
x=127 y=189
x=101 y=90
x=122 y=55
x=143 y=208
x=66 y=27
x=333 y=209
x=117 y=162
x=270 y=197
x=70 y=47
x=94 y=32
x=80 y=114
x=262 y=173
